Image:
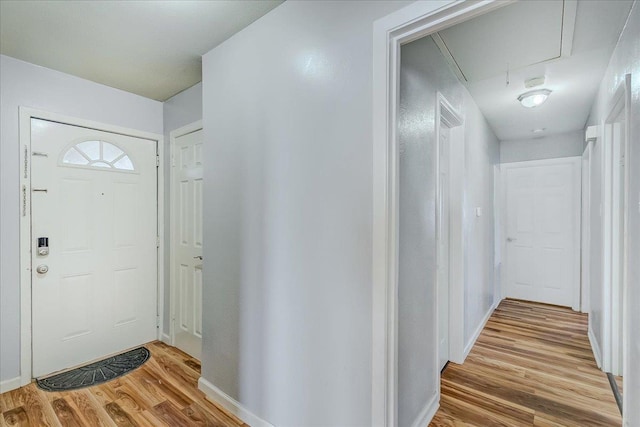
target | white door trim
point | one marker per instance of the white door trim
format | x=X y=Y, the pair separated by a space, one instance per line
x=576 y=162
x=173 y=135
x=447 y=116
x=586 y=230
x=498 y=233
x=389 y=33
x=26 y=114
x=619 y=101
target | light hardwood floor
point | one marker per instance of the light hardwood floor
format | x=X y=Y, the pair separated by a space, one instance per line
x=531 y=366
x=163 y=392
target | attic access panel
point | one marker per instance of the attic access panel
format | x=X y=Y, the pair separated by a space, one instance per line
x=521 y=34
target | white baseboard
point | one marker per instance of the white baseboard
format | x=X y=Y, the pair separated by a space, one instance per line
x=478 y=331
x=165 y=338
x=427 y=413
x=230 y=404
x=594 y=347
x=11 y=384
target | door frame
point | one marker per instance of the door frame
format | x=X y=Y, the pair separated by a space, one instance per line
x=621 y=100
x=585 y=238
x=389 y=33
x=24 y=139
x=576 y=163
x=447 y=116
x=173 y=135
x=497 y=236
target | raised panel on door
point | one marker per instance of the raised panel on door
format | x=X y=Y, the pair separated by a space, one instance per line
x=76 y=290
x=76 y=214
x=197 y=301
x=185 y=286
x=127 y=292
x=197 y=213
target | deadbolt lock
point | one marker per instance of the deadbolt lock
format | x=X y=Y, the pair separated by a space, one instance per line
x=43 y=246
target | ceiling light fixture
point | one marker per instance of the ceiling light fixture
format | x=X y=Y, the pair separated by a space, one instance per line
x=534 y=98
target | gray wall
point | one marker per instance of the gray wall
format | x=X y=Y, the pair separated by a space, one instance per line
x=288 y=201
x=424 y=72
x=179 y=110
x=567 y=144
x=24 y=84
x=626 y=59
x=482 y=152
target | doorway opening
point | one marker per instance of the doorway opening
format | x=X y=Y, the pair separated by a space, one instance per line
x=450 y=137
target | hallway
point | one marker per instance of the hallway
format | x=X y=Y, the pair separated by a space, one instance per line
x=531 y=366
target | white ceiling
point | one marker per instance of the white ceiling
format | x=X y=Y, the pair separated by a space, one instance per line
x=570 y=46
x=151 y=48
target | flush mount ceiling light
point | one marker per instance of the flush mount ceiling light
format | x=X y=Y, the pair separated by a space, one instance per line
x=534 y=98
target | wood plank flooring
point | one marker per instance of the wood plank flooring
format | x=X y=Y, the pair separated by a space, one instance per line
x=531 y=366
x=163 y=392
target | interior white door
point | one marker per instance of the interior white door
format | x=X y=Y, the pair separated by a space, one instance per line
x=443 y=249
x=94 y=196
x=187 y=243
x=542 y=256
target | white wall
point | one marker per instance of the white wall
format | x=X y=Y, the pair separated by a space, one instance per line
x=287 y=317
x=626 y=59
x=24 y=84
x=567 y=144
x=179 y=110
x=424 y=72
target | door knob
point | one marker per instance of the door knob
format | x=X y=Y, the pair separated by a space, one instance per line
x=42 y=269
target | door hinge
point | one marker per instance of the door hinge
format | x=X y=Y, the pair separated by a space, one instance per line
x=157 y=241
x=158 y=321
x=26 y=161
x=24 y=200
x=157 y=160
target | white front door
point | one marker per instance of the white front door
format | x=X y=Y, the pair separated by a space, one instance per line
x=443 y=249
x=187 y=242
x=542 y=256
x=94 y=197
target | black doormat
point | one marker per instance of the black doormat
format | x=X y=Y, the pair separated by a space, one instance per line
x=96 y=372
